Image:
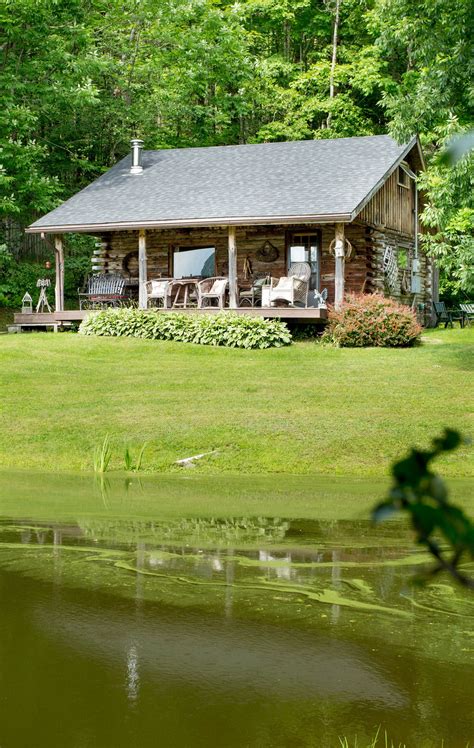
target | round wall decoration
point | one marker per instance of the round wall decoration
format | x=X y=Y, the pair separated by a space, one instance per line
x=390 y=268
x=130 y=264
x=267 y=252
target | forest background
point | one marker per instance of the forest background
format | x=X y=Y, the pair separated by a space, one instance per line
x=79 y=78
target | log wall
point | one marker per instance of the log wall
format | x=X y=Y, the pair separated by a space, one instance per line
x=363 y=272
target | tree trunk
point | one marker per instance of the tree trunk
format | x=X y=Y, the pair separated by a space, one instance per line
x=335 y=39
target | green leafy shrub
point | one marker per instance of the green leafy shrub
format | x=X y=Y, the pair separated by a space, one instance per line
x=226 y=329
x=19 y=276
x=301 y=331
x=372 y=320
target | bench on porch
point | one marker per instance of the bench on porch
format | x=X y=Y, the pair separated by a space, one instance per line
x=102 y=290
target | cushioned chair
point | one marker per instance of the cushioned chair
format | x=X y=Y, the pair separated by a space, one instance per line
x=294 y=287
x=158 y=292
x=212 y=289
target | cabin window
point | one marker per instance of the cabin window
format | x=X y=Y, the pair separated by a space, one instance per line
x=305 y=247
x=194 y=262
x=403 y=178
x=403 y=258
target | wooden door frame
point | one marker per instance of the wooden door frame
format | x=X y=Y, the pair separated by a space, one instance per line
x=289 y=233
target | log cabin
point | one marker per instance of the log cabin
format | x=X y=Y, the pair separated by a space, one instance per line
x=347 y=206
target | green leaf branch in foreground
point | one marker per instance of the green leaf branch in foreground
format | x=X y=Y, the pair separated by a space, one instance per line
x=442 y=527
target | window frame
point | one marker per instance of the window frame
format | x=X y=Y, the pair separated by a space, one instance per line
x=407 y=254
x=290 y=240
x=180 y=248
x=403 y=181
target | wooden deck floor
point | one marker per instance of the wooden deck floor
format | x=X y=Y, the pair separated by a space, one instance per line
x=288 y=314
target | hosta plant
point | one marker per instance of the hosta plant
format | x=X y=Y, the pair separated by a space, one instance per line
x=223 y=329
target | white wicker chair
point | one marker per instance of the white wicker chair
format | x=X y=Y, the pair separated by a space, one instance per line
x=212 y=289
x=158 y=292
x=294 y=287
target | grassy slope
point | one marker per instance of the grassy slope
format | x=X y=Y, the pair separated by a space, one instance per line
x=304 y=409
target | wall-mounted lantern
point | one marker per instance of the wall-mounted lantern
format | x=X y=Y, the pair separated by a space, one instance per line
x=27 y=304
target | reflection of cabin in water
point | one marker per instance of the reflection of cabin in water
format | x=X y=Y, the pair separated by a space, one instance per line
x=348 y=207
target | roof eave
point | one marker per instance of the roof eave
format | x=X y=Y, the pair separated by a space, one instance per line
x=188 y=223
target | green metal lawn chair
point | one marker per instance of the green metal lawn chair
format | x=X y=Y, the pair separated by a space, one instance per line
x=448 y=316
x=468 y=311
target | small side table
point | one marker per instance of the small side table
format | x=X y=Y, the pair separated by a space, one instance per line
x=180 y=292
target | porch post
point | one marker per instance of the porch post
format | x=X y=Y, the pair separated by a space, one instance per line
x=142 y=270
x=339 y=245
x=233 y=291
x=59 y=262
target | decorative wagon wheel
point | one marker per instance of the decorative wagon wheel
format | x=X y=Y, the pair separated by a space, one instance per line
x=390 y=268
x=130 y=264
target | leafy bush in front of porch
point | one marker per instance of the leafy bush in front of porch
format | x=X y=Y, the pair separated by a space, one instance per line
x=223 y=329
x=372 y=320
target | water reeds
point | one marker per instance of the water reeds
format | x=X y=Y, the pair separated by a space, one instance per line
x=130 y=465
x=102 y=455
x=373 y=742
x=378 y=741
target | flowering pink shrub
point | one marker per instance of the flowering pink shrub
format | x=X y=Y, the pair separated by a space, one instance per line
x=372 y=320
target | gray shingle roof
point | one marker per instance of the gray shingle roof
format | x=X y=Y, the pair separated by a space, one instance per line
x=310 y=179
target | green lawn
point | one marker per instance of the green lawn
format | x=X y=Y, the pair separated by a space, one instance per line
x=303 y=409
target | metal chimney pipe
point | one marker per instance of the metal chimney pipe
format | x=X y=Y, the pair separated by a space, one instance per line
x=137 y=147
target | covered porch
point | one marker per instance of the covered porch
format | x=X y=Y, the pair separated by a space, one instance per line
x=244 y=255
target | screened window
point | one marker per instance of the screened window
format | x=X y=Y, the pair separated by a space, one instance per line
x=196 y=262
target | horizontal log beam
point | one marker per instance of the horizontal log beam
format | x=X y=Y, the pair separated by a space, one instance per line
x=286 y=313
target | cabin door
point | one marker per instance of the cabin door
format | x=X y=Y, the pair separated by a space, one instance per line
x=306 y=247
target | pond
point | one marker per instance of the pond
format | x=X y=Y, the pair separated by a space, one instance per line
x=127 y=623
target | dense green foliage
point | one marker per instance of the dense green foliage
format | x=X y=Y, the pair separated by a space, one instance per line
x=79 y=79
x=372 y=320
x=17 y=278
x=227 y=329
x=422 y=495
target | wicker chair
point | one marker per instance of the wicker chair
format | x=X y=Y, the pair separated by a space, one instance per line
x=294 y=287
x=158 y=292
x=212 y=289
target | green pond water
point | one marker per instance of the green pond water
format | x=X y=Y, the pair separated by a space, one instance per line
x=131 y=617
